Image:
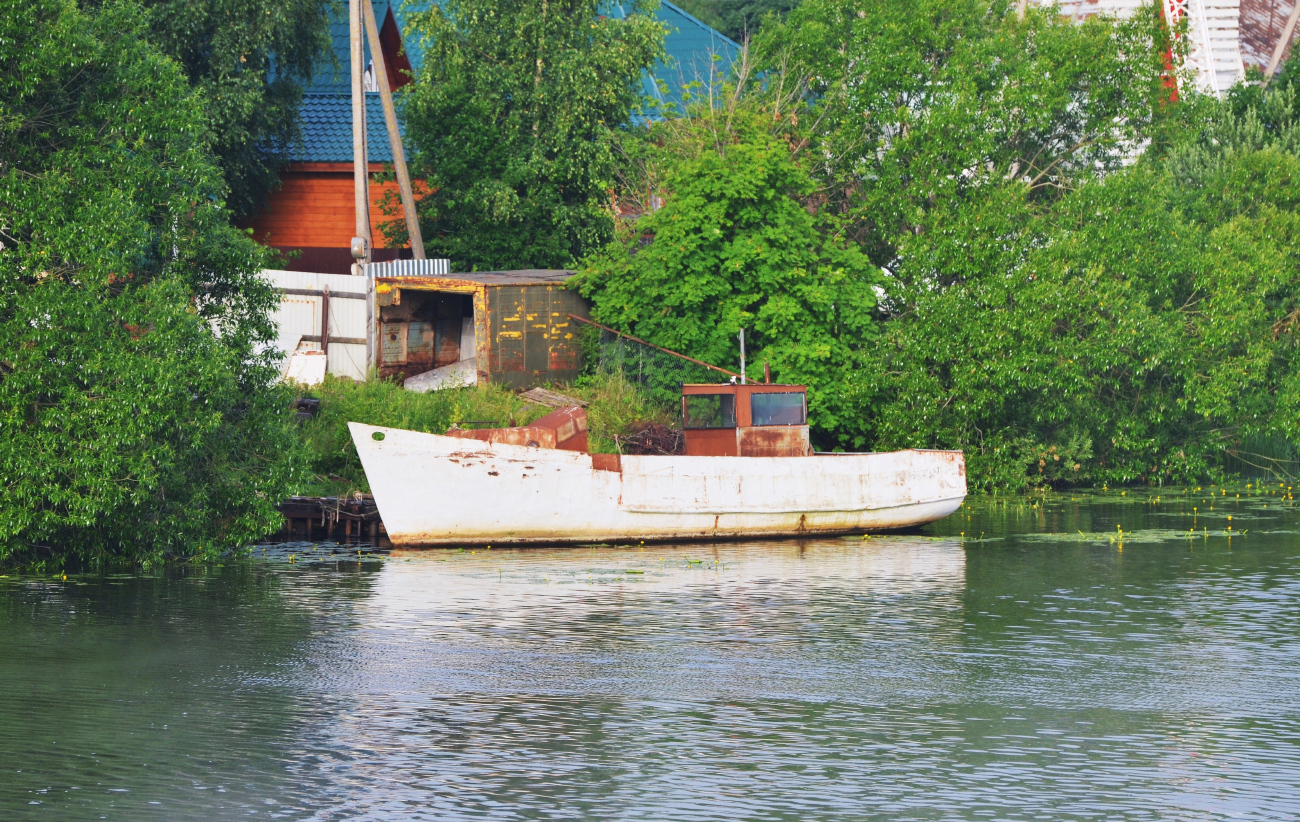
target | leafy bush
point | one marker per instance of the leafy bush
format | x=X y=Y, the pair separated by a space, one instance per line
x=137 y=417
x=617 y=407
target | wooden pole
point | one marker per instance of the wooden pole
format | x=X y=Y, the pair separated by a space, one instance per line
x=394 y=136
x=360 y=156
x=325 y=325
x=1287 y=31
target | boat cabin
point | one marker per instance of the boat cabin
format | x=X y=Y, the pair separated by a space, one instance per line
x=754 y=420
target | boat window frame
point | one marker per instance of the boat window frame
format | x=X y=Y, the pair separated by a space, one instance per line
x=725 y=398
x=754 y=416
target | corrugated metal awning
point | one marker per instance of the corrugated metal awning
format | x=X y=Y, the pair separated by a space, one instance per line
x=527 y=276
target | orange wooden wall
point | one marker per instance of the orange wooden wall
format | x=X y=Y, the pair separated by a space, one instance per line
x=314 y=209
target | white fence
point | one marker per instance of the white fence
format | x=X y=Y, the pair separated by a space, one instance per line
x=299 y=317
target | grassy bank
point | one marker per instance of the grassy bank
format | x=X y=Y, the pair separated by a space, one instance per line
x=614 y=406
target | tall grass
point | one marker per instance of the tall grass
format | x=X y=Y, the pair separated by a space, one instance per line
x=615 y=405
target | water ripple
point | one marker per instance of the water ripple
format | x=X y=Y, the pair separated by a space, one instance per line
x=1031 y=675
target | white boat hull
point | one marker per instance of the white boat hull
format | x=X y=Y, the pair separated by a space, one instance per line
x=435 y=490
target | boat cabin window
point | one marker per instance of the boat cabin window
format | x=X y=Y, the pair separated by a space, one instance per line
x=785 y=408
x=710 y=411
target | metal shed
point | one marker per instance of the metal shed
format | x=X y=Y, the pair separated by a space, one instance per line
x=513 y=325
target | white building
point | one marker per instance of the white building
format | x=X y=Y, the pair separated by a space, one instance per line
x=1227 y=36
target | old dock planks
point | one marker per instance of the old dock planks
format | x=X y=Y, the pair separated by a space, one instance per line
x=332 y=518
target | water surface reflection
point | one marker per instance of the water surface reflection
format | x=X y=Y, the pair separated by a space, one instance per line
x=1044 y=672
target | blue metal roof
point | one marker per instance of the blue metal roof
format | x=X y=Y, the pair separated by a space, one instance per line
x=692 y=48
x=695 y=52
x=327 y=129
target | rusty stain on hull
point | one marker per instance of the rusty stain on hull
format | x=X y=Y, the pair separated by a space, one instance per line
x=775 y=441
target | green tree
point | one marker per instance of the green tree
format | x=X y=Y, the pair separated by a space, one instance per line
x=250 y=61
x=1133 y=340
x=737 y=19
x=137 y=416
x=512 y=121
x=926 y=103
x=1138 y=328
x=740 y=242
x=960 y=143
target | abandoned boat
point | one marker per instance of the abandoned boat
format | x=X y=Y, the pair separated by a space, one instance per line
x=748 y=471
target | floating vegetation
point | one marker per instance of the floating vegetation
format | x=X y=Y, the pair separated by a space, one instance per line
x=1148 y=535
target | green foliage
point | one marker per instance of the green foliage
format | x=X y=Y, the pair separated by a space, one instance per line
x=250 y=61
x=512 y=123
x=136 y=416
x=1060 y=312
x=740 y=242
x=737 y=19
x=1254 y=118
x=923 y=104
x=616 y=406
x=1140 y=330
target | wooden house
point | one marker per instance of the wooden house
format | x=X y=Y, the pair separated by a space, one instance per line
x=312 y=213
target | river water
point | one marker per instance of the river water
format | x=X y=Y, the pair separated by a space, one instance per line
x=1098 y=656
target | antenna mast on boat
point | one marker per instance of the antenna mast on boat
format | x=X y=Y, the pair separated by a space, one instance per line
x=742 y=356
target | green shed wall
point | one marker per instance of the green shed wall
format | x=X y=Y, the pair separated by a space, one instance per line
x=530 y=339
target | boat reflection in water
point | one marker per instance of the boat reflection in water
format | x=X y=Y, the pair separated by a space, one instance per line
x=514 y=583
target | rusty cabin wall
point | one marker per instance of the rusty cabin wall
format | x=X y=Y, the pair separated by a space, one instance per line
x=420 y=332
x=524 y=335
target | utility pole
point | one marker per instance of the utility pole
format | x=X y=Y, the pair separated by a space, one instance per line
x=361 y=177
x=360 y=155
x=394 y=136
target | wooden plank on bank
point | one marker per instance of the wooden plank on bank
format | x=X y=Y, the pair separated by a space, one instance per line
x=551 y=399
